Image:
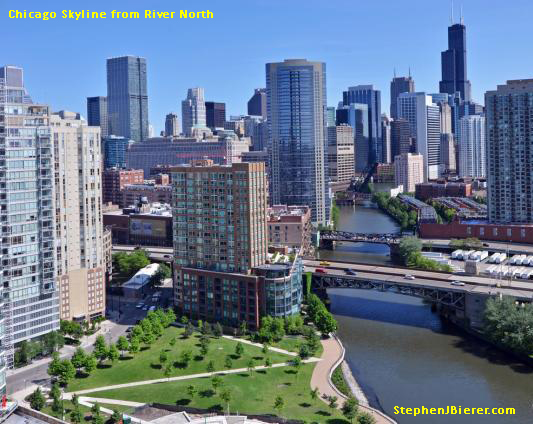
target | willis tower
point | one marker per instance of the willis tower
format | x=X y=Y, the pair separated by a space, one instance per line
x=454 y=77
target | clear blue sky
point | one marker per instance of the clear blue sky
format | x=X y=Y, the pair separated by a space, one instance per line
x=361 y=42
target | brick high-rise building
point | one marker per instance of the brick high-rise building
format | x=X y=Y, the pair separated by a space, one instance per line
x=114 y=180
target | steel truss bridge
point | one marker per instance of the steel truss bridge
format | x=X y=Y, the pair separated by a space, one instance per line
x=451 y=298
x=386 y=238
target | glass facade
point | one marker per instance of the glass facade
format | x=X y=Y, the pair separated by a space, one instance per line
x=29 y=298
x=115 y=149
x=127 y=97
x=454 y=74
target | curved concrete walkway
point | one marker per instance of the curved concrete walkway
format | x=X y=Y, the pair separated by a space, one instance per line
x=332 y=357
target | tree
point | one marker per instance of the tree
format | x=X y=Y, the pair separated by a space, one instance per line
x=100 y=349
x=37 y=400
x=204 y=346
x=122 y=345
x=366 y=418
x=116 y=417
x=66 y=372
x=191 y=391
x=52 y=341
x=113 y=353
x=325 y=322
x=185 y=357
x=53 y=367
x=217 y=330
x=206 y=329
x=163 y=358
x=172 y=342
x=75 y=415
x=189 y=330
x=170 y=317
x=225 y=396
x=303 y=352
x=210 y=366
x=184 y=320
x=228 y=363
x=296 y=363
x=134 y=345
x=168 y=370
x=148 y=338
x=55 y=392
x=268 y=362
x=251 y=366
x=95 y=409
x=216 y=382
x=128 y=264
x=332 y=402
x=314 y=393
x=243 y=328
x=239 y=349
x=90 y=364
x=279 y=403
x=78 y=359
x=160 y=275
x=265 y=348
x=409 y=246
x=349 y=409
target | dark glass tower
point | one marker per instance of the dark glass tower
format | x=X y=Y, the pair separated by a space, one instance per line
x=398 y=86
x=215 y=114
x=454 y=76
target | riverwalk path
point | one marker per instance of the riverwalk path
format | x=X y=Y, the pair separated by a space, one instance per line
x=332 y=357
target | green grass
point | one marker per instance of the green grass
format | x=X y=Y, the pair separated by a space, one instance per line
x=250 y=394
x=340 y=383
x=120 y=408
x=67 y=404
x=145 y=364
x=292 y=344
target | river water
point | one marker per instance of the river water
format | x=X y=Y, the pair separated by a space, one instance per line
x=402 y=354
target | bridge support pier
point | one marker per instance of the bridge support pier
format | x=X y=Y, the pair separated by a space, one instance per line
x=327 y=244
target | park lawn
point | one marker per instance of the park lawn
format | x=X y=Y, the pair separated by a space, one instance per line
x=123 y=409
x=293 y=344
x=145 y=364
x=67 y=404
x=253 y=394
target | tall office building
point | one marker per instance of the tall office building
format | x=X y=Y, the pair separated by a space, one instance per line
x=386 y=138
x=424 y=121
x=366 y=94
x=472 y=160
x=448 y=154
x=115 y=149
x=401 y=141
x=257 y=105
x=332 y=116
x=398 y=86
x=510 y=152
x=81 y=264
x=408 y=171
x=215 y=114
x=193 y=111
x=30 y=299
x=454 y=73
x=97 y=114
x=356 y=115
x=127 y=97
x=296 y=103
x=340 y=156
x=172 y=128
x=221 y=247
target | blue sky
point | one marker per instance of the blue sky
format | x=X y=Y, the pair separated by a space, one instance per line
x=360 y=41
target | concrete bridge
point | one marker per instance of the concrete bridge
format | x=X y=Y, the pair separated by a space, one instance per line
x=464 y=303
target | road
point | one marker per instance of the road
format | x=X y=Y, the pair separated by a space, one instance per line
x=473 y=284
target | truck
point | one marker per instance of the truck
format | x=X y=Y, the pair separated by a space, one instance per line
x=457 y=253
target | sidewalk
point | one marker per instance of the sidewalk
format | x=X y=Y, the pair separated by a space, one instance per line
x=332 y=357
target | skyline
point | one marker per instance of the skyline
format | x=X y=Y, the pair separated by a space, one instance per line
x=230 y=73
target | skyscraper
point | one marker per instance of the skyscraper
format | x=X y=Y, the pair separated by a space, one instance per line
x=356 y=115
x=215 y=114
x=454 y=74
x=171 y=125
x=340 y=154
x=510 y=152
x=408 y=171
x=193 y=111
x=127 y=97
x=296 y=104
x=366 y=94
x=401 y=141
x=399 y=85
x=472 y=161
x=30 y=300
x=81 y=265
x=115 y=149
x=97 y=114
x=424 y=121
x=257 y=105
x=386 y=138
x=331 y=116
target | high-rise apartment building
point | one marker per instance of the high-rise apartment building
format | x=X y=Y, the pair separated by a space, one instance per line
x=296 y=103
x=366 y=94
x=30 y=298
x=257 y=105
x=97 y=114
x=408 y=171
x=356 y=115
x=127 y=97
x=215 y=114
x=399 y=85
x=509 y=110
x=115 y=179
x=221 y=244
x=454 y=72
x=424 y=121
x=340 y=156
x=193 y=114
x=115 y=149
x=172 y=128
x=81 y=264
x=472 y=147
x=448 y=154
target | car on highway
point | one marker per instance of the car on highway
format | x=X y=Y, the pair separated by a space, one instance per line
x=325 y=263
x=457 y=283
x=320 y=270
x=152 y=308
x=139 y=305
x=167 y=256
x=350 y=272
x=145 y=307
x=409 y=277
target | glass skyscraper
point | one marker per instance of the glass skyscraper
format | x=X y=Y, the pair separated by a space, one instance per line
x=296 y=107
x=29 y=302
x=454 y=75
x=97 y=113
x=127 y=97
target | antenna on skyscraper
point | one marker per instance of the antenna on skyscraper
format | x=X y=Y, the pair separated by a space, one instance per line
x=394 y=72
x=462 y=20
x=409 y=72
x=451 y=15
